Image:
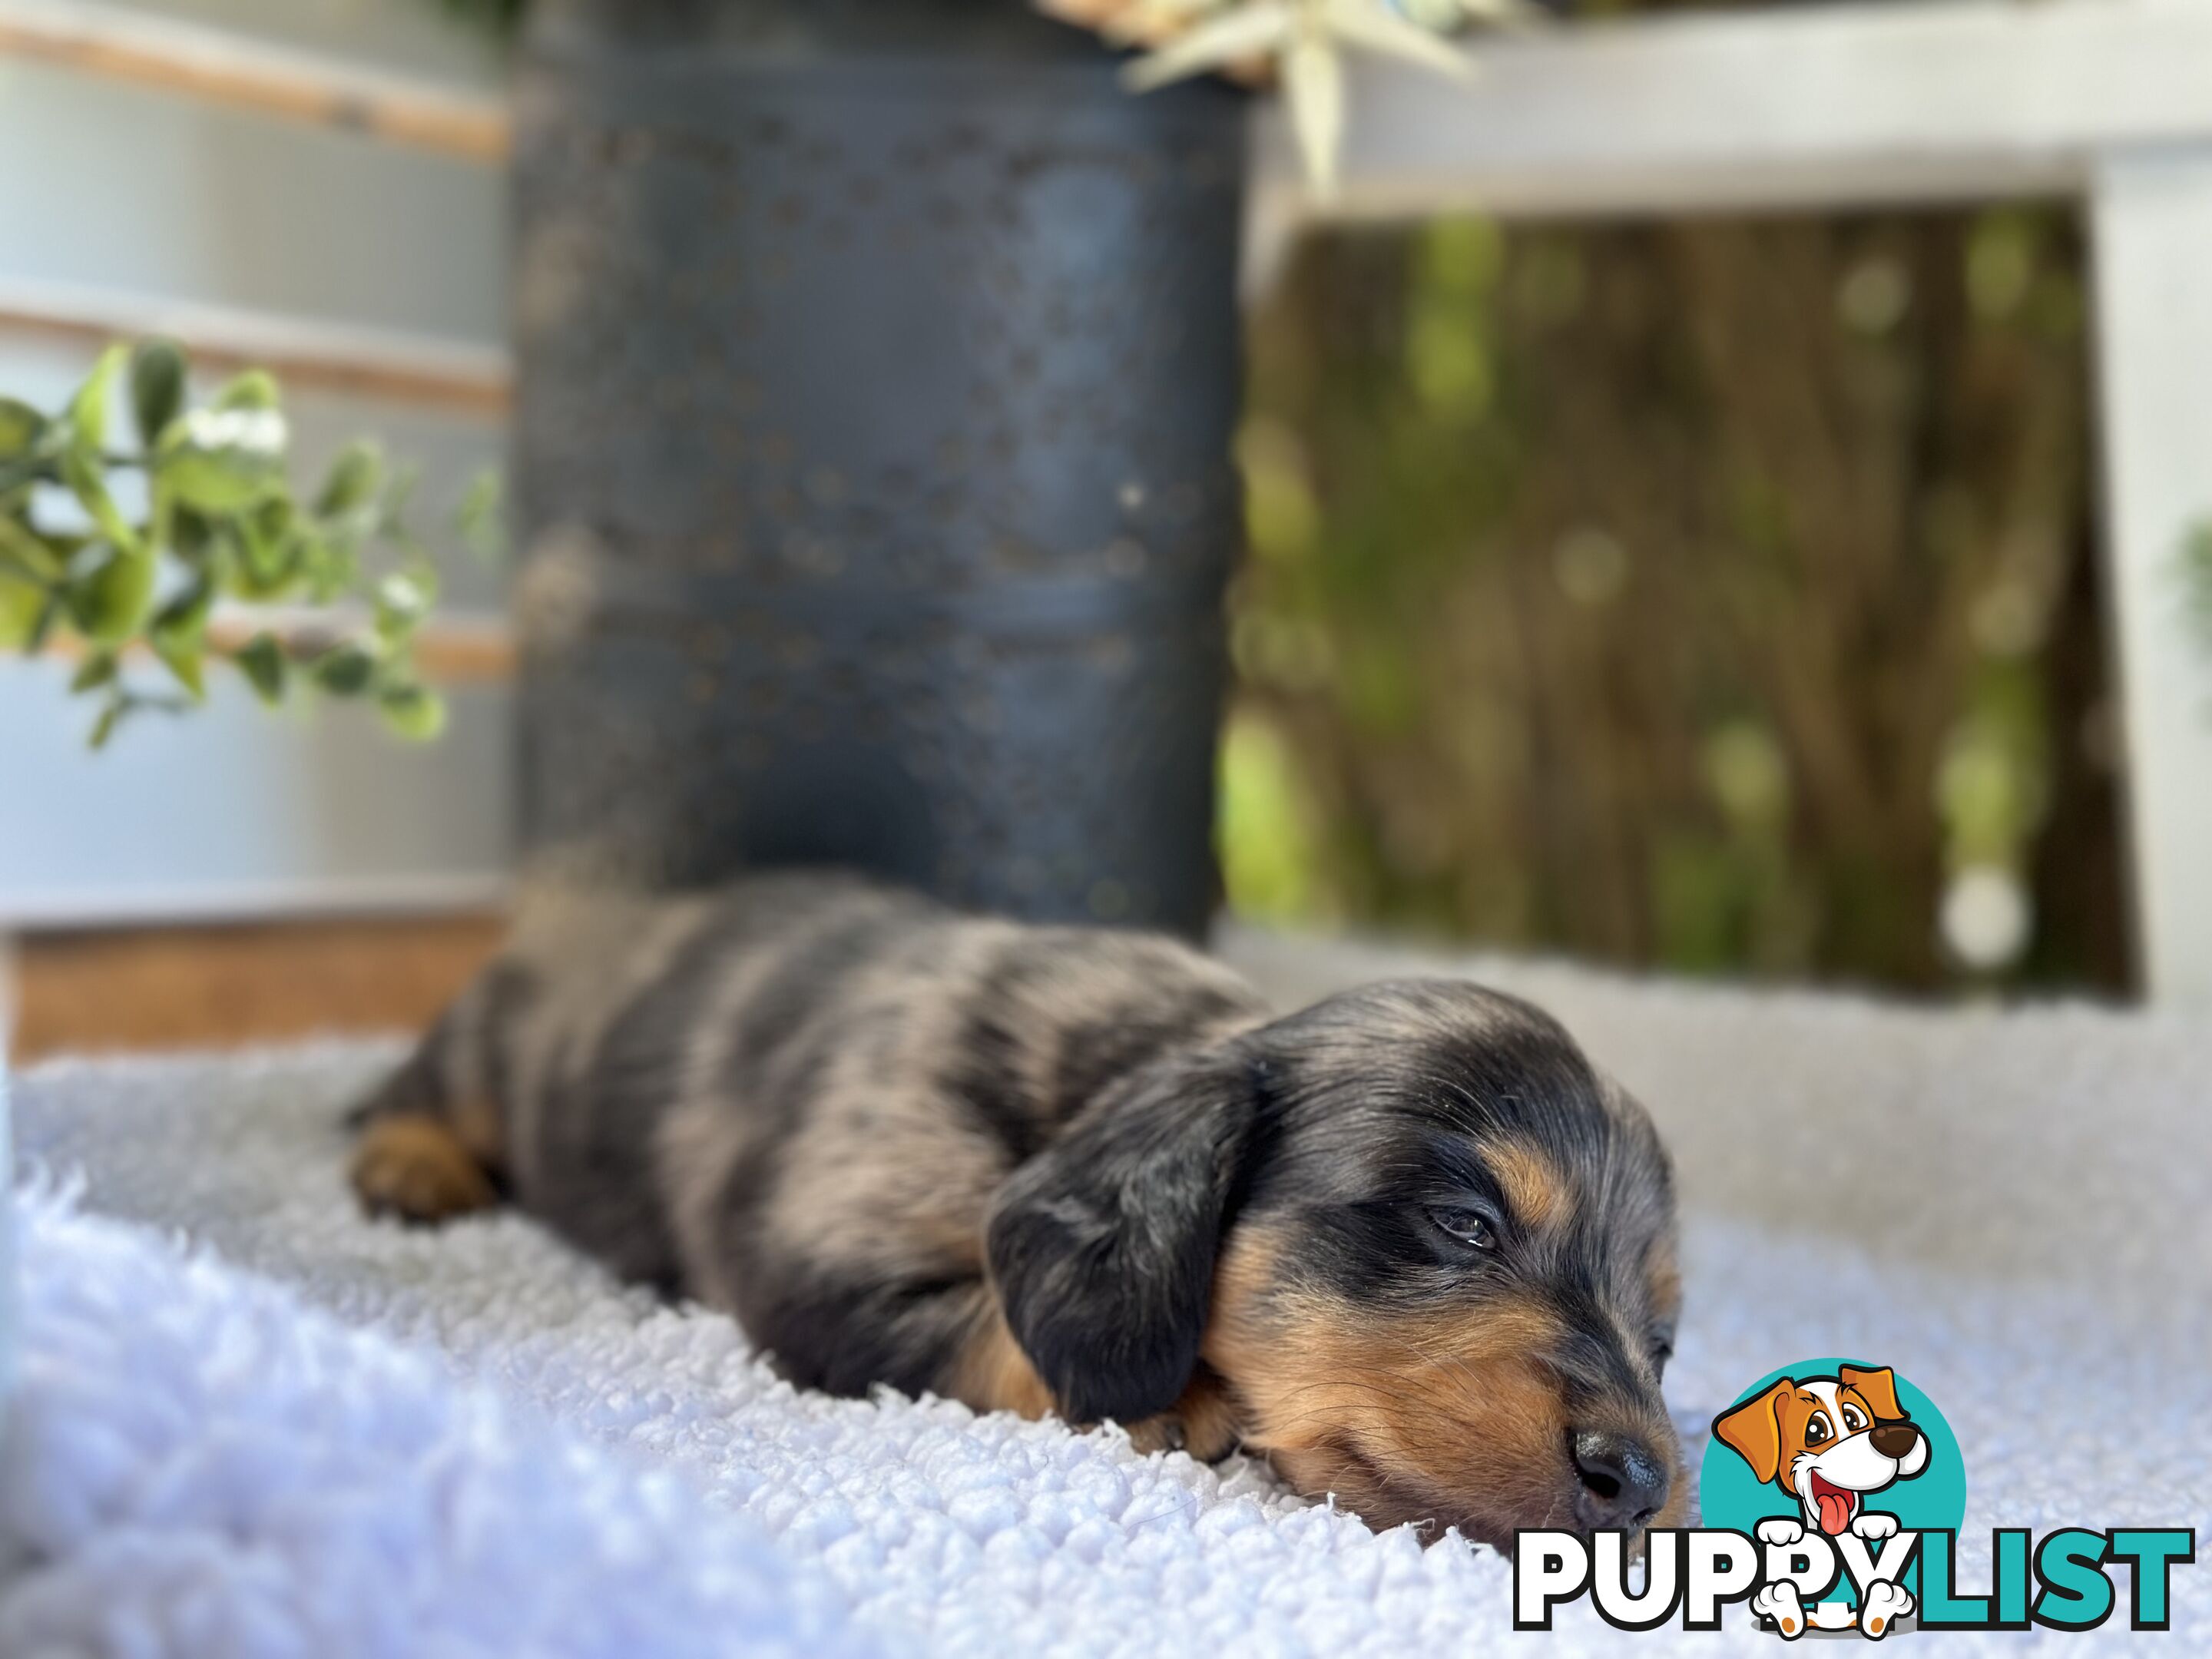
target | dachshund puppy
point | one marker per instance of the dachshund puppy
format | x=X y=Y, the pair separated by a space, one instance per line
x=1408 y=1244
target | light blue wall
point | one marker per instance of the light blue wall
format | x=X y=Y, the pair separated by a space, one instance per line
x=233 y=811
x=119 y=188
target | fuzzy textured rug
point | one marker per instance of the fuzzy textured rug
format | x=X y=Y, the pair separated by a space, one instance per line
x=252 y=1424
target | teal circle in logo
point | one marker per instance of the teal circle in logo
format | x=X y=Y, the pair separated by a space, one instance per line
x=1737 y=1490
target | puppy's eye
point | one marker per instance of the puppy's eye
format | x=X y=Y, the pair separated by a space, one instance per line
x=1853 y=1422
x=1469 y=1227
x=1817 y=1432
x=1662 y=1350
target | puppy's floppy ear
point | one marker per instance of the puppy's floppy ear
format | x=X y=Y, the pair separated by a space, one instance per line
x=1101 y=1247
x=1753 y=1430
x=1879 y=1386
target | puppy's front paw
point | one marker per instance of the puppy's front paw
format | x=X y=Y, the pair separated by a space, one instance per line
x=1872 y=1524
x=1202 y=1423
x=1779 y=1602
x=1205 y=1436
x=1882 y=1605
x=416 y=1168
x=1164 y=1433
x=1780 y=1530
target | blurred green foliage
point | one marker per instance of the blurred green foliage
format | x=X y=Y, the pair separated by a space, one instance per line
x=1711 y=596
x=123 y=550
x=499 y=16
x=2197 y=577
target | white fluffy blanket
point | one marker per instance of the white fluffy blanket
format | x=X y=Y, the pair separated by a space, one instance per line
x=250 y=1423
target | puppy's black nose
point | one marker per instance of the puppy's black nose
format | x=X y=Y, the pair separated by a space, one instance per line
x=1624 y=1482
x=1895 y=1439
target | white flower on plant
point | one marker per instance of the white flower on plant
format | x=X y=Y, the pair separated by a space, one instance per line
x=1302 y=41
x=1987 y=917
x=253 y=431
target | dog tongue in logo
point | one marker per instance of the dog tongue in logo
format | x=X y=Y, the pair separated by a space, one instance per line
x=1835 y=1504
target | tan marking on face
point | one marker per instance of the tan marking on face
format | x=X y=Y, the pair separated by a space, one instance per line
x=1450 y=1419
x=1535 y=1190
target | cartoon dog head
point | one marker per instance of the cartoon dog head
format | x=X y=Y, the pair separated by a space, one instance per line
x=1827 y=1441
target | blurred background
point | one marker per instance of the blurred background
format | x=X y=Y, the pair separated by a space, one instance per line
x=1711 y=596
x=1720 y=592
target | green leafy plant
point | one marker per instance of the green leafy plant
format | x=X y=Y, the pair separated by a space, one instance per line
x=149 y=562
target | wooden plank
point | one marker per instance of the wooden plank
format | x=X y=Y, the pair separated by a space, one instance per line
x=204 y=987
x=451 y=651
x=1792 y=108
x=2151 y=214
x=201 y=61
x=466 y=378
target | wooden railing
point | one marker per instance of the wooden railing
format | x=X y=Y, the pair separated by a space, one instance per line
x=175 y=56
x=316 y=355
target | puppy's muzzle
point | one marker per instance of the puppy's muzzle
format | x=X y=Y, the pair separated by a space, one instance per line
x=1624 y=1482
x=1895 y=1440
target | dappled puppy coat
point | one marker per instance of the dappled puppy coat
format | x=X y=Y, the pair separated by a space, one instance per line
x=1407 y=1243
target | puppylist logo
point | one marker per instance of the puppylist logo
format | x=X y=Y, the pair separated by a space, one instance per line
x=1833 y=1492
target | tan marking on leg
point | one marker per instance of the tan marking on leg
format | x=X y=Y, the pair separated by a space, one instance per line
x=418 y=1168
x=1535 y=1190
x=993 y=1375
x=1203 y=1422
